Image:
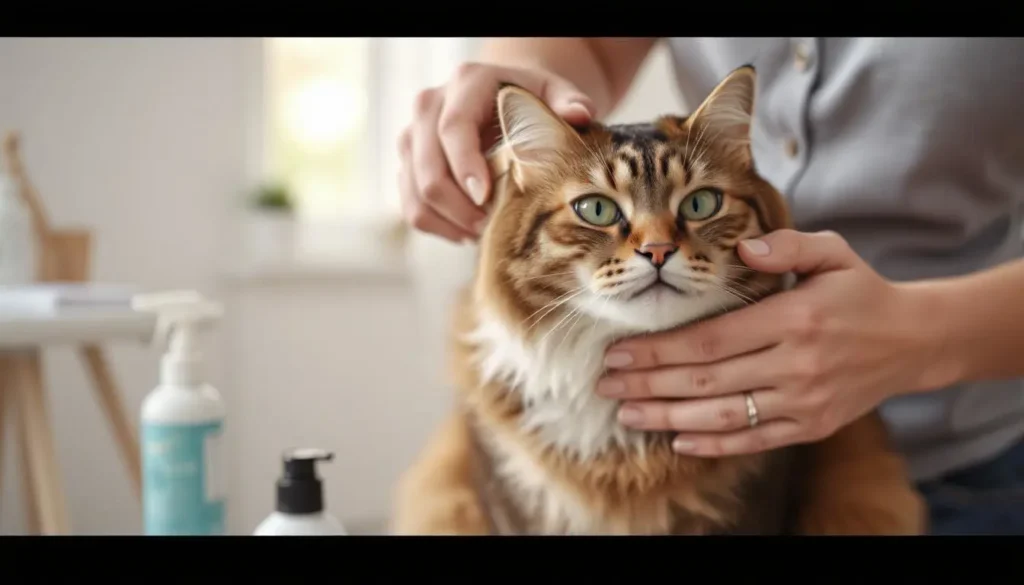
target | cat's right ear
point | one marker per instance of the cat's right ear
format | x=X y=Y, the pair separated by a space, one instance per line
x=726 y=114
x=532 y=134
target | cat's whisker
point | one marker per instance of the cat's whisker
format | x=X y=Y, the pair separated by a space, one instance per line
x=547 y=308
x=734 y=279
x=608 y=286
x=559 y=298
x=554 y=304
x=557 y=325
x=579 y=317
x=743 y=299
x=551 y=275
x=738 y=266
x=763 y=289
x=729 y=290
x=624 y=287
x=540 y=319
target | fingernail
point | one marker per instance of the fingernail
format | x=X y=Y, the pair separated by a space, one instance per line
x=756 y=247
x=578 y=108
x=476 y=190
x=617 y=359
x=682 y=445
x=611 y=387
x=629 y=415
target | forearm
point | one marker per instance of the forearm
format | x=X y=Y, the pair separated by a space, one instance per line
x=601 y=68
x=978 y=322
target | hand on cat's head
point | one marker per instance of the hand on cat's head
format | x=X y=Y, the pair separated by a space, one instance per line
x=444 y=178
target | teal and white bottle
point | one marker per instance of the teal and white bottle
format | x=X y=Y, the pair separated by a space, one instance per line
x=183 y=475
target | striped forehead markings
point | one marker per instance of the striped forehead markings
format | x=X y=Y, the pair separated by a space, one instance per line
x=647 y=158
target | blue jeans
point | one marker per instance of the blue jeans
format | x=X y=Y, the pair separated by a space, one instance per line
x=987 y=498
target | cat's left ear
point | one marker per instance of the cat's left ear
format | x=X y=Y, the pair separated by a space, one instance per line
x=534 y=136
x=725 y=116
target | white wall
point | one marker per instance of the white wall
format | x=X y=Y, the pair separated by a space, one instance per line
x=147 y=141
x=144 y=141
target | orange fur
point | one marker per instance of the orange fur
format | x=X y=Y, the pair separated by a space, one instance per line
x=538 y=249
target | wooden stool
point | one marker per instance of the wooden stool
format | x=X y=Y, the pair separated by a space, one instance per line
x=64 y=256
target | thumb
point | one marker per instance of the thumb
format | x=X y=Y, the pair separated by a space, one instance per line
x=803 y=253
x=567 y=101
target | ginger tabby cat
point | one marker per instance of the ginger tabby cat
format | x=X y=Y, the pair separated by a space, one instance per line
x=599 y=233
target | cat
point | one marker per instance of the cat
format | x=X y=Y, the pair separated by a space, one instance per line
x=562 y=273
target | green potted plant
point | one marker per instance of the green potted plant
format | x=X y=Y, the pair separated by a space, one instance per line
x=270 y=236
x=273 y=198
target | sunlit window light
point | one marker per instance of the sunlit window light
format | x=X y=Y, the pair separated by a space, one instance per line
x=322 y=112
x=318 y=121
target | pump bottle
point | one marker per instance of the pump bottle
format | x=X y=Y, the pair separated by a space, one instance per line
x=184 y=488
x=300 y=499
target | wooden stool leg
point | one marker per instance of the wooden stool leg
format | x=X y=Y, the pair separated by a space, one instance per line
x=4 y=398
x=8 y=379
x=39 y=450
x=113 y=408
x=28 y=488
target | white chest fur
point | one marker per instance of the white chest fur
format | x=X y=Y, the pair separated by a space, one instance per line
x=556 y=376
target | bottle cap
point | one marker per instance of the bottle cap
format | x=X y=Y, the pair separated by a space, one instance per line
x=299 y=490
x=180 y=314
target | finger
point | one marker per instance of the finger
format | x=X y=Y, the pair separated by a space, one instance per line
x=460 y=140
x=469 y=107
x=764 y=437
x=421 y=216
x=746 y=372
x=567 y=101
x=434 y=185
x=730 y=335
x=719 y=414
x=792 y=251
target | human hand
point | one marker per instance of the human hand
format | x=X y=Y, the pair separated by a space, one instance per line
x=813 y=358
x=442 y=150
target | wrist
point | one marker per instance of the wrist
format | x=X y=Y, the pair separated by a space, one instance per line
x=929 y=307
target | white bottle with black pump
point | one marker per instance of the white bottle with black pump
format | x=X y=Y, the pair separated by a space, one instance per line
x=300 y=499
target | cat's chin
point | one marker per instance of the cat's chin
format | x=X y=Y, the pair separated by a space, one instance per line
x=657 y=308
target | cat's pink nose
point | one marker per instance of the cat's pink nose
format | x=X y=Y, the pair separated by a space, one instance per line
x=658 y=253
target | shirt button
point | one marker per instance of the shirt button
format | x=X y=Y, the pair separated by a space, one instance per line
x=802 y=56
x=792 y=148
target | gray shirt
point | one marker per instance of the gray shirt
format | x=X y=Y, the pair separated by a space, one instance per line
x=913 y=150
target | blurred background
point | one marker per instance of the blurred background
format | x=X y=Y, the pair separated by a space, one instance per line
x=260 y=172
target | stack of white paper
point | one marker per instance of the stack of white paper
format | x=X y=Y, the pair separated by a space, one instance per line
x=59 y=296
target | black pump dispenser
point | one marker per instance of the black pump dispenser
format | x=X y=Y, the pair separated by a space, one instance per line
x=299 y=490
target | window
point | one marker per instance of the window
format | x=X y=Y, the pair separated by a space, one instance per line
x=318 y=97
x=334 y=108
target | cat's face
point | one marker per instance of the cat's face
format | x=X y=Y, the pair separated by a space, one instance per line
x=636 y=226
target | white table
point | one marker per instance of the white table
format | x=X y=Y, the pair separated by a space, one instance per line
x=23 y=337
x=29 y=330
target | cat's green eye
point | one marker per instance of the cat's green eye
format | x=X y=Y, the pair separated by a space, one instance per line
x=597 y=210
x=701 y=204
